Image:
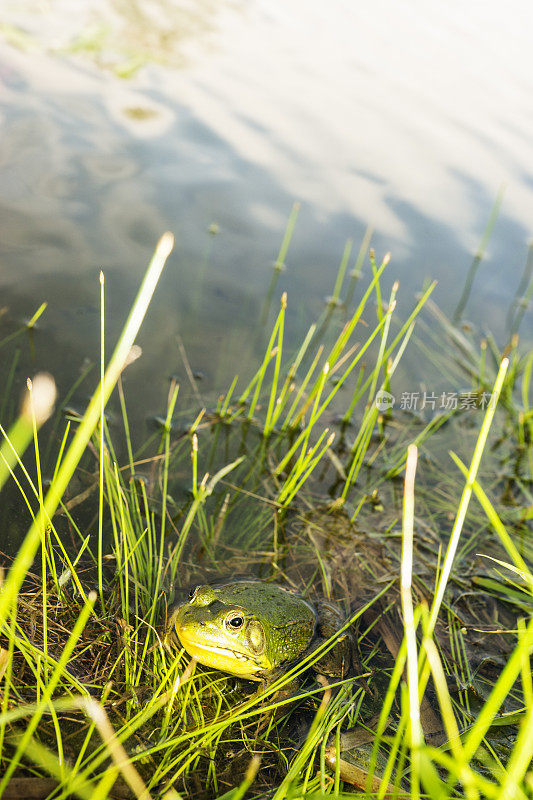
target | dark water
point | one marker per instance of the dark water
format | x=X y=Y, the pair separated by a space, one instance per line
x=403 y=116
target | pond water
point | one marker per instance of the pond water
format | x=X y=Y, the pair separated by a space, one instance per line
x=121 y=120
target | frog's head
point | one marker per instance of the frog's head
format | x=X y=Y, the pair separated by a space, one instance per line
x=245 y=628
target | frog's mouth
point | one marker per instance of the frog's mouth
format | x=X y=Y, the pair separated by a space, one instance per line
x=223 y=658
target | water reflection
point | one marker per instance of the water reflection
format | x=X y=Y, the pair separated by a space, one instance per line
x=375 y=115
x=118 y=35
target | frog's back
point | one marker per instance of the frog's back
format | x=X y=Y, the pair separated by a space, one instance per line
x=277 y=607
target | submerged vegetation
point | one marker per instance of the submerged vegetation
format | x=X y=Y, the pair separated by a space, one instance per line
x=428 y=562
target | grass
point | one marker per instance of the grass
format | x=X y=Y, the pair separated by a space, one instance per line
x=96 y=695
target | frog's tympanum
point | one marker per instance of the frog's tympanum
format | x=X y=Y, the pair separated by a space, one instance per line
x=257 y=630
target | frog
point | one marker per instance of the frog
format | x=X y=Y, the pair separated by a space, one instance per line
x=257 y=630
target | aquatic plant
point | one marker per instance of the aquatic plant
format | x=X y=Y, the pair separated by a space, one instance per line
x=94 y=696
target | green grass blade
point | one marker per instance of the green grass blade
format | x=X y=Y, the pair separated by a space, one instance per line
x=86 y=427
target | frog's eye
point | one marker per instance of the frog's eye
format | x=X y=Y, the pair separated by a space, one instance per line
x=234 y=621
x=192 y=593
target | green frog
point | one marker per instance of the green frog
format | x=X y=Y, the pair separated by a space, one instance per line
x=257 y=630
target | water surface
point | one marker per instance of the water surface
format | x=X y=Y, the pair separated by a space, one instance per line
x=121 y=120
